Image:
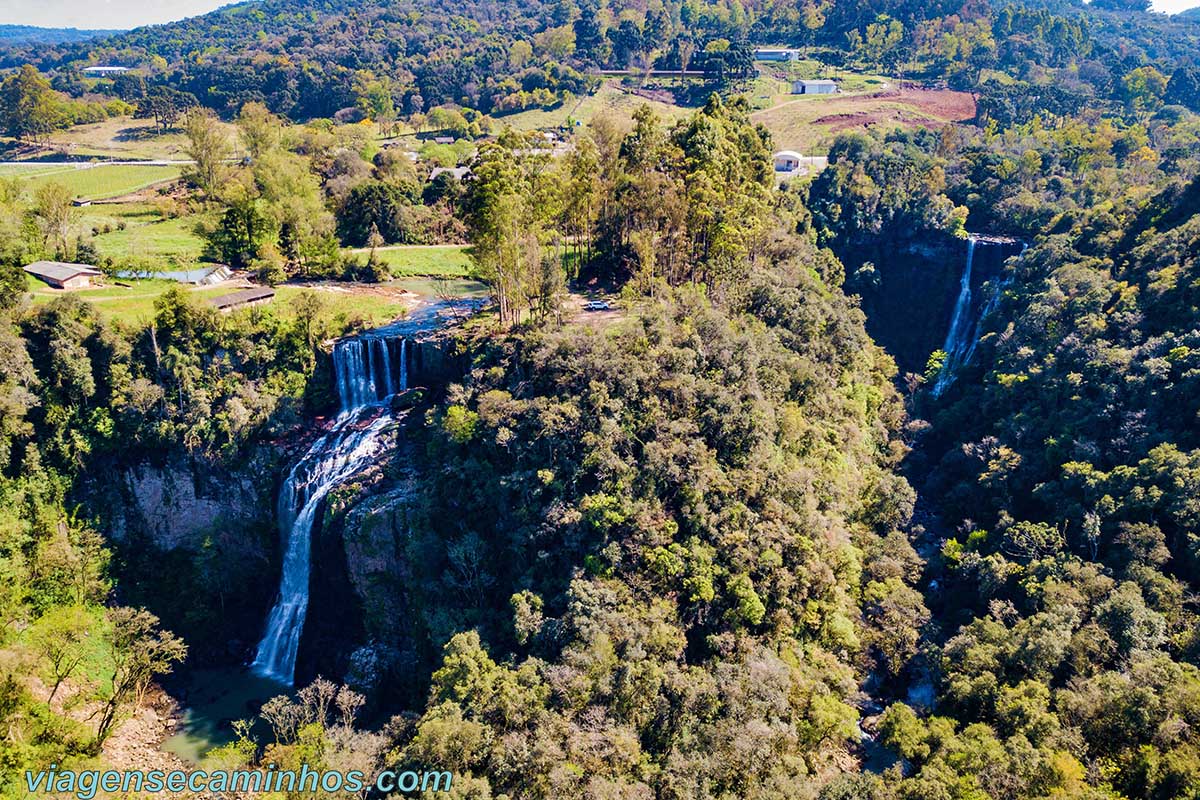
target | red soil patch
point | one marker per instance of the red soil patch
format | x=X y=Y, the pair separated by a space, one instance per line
x=940 y=103
x=925 y=107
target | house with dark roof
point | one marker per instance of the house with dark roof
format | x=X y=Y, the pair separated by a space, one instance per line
x=243 y=299
x=62 y=275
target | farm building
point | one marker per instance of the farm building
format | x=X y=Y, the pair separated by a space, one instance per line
x=61 y=275
x=243 y=299
x=776 y=54
x=201 y=276
x=814 y=87
x=787 y=161
x=458 y=173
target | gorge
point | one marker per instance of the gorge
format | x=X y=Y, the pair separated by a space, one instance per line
x=366 y=379
x=369 y=371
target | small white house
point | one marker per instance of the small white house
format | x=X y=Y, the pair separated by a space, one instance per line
x=787 y=161
x=814 y=87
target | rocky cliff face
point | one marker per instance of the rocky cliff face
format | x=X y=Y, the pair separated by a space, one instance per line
x=362 y=620
x=196 y=544
x=909 y=292
x=178 y=504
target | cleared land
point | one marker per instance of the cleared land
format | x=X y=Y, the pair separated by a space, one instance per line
x=453 y=260
x=810 y=124
x=610 y=98
x=160 y=243
x=93 y=181
x=348 y=304
x=119 y=138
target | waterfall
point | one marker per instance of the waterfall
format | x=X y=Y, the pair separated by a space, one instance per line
x=992 y=302
x=364 y=377
x=960 y=325
x=963 y=335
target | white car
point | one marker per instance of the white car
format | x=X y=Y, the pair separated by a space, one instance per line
x=597 y=305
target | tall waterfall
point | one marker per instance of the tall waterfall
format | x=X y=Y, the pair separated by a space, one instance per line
x=366 y=375
x=963 y=335
x=959 y=337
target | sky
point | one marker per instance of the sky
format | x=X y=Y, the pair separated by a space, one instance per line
x=102 y=13
x=131 y=13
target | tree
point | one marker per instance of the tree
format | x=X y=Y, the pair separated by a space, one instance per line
x=165 y=105
x=309 y=307
x=244 y=229
x=209 y=147
x=29 y=108
x=589 y=36
x=1144 y=88
x=54 y=211
x=373 y=205
x=449 y=120
x=375 y=99
x=502 y=212
x=59 y=638
x=138 y=650
x=259 y=128
x=1184 y=88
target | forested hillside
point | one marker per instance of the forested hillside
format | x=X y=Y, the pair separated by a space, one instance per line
x=662 y=520
x=313 y=58
x=1061 y=460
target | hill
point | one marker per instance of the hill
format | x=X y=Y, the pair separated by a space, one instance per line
x=315 y=58
x=31 y=34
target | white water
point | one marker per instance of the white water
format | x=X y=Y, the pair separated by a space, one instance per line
x=963 y=335
x=957 y=337
x=992 y=302
x=364 y=378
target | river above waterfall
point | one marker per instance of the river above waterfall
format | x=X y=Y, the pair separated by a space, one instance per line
x=369 y=369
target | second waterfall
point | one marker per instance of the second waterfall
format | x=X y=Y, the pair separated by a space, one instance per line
x=368 y=370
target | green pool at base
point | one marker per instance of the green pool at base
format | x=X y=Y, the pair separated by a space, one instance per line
x=212 y=700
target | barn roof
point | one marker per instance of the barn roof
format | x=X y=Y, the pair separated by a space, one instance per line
x=59 y=270
x=242 y=297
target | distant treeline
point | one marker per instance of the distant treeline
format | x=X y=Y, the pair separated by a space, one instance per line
x=314 y=58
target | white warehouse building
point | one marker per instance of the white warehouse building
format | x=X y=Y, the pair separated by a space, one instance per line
x=814 y=87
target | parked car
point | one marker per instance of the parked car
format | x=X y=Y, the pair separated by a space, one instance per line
x=597 y=305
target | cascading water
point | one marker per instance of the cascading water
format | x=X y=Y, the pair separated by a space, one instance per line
x=365 y=378
x=963 y=335
x=992 y=302
x=957 y=338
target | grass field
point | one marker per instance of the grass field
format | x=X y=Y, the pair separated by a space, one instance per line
x=122 y=139
x=346 y=304
x=93 y=182
x=166 y=244
x=452 y=260
x=132 y=303
x=111 y=215
x=810 y=124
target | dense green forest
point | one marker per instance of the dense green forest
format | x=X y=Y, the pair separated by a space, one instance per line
x=316 y=58
x=711 y=544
